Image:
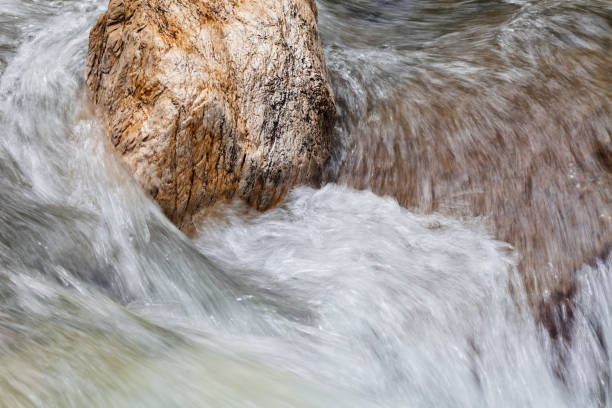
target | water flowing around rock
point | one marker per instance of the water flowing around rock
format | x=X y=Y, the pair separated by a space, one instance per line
x=337 y=297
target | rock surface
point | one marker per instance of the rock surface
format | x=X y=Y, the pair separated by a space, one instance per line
x=207 y=100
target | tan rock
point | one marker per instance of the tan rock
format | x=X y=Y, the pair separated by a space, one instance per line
x=207 y=100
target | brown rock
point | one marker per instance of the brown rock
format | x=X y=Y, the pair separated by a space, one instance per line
x=207 y=100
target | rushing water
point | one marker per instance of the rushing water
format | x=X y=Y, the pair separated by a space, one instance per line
x=336 y=298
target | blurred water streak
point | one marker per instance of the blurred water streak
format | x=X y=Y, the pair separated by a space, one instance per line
x=495 y=116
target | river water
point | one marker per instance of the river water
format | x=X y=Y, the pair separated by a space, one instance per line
x=339 y=297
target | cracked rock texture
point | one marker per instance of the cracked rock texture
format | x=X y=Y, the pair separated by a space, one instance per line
x=207 y=100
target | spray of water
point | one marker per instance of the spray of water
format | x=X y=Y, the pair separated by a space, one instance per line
x=336 y=298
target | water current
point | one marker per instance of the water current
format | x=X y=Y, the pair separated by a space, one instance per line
x=386 y=287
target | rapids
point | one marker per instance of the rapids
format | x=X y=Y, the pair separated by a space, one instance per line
x=338 y=297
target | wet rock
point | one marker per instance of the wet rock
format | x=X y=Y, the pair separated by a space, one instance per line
x=213 y=99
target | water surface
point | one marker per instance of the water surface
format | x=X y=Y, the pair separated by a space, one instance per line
x=409 y=297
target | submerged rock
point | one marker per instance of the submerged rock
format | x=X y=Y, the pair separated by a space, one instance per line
x=207 y=100
x=522 y=141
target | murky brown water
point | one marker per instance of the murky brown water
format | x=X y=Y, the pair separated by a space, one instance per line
x=501 y=110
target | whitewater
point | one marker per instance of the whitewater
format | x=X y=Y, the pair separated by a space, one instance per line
x=339 y=297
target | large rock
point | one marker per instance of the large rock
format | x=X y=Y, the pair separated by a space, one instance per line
x=206 y=100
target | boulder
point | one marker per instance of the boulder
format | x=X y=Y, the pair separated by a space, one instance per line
x=208 y=100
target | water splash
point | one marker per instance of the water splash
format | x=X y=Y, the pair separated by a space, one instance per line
x=336 y=298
